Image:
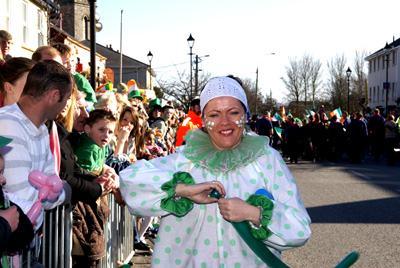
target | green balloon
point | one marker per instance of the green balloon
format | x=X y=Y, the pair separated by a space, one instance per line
x=215 y=194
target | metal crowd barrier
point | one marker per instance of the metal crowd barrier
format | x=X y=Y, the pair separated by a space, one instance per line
x=53 y=241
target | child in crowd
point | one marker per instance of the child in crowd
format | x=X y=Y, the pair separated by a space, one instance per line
x=16 y=230
x=91 y=151
x=151 y=146
x=92 y=148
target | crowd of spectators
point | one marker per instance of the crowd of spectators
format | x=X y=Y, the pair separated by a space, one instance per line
x=54 y=122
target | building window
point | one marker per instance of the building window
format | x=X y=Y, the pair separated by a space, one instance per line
x=40 y=27
x=24 y=23
x=377 y=94
x=86 y=25
x=393 y=92
x=7 y=16
x=379 y=61
x=394 y=55
x=374 y=96
x=383 y=62
x=375 y=65
x=370 y=66
x=383 y=94
x=369 y=95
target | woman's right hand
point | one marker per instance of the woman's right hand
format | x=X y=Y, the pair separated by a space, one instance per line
x=198 y=193
x=123 y=133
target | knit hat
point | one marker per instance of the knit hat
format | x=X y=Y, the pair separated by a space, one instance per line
x=133 y=90
x=4 y=141
x=222 y=87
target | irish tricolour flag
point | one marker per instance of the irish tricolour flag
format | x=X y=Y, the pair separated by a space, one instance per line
x=309 y=112
x=338 y=114
x=278 y=132
x=276 y=117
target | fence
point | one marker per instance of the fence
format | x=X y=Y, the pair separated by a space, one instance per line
x=52 y=245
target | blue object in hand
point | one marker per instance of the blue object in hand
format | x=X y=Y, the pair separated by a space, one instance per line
x=262 y=191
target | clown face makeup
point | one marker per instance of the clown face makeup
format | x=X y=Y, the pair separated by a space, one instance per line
x=224 y=119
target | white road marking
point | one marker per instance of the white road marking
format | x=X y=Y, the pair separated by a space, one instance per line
x=360 y=175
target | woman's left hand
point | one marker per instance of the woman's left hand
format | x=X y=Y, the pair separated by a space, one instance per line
x=237 y=210
x=199 y=192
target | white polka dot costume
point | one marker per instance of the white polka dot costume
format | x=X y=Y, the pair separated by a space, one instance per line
x=202 y=237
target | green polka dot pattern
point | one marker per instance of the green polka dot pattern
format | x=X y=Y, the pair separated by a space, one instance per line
x=201 y=237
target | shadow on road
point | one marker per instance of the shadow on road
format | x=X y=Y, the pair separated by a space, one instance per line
x=379 y=211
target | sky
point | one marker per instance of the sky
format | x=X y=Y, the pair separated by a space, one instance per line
x=241 y=36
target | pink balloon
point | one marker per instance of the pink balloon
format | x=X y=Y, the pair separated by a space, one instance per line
x=44 y=192
x=37 y=178
x=35 y=211
x=52 y=195
x=55 y=183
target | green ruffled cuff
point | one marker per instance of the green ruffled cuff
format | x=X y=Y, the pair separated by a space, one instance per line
x=183 y=205
x=261 y=233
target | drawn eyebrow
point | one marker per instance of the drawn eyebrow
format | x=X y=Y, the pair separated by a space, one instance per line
x=228 y=109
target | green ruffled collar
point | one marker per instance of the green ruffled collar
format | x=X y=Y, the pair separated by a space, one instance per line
x=201 y=152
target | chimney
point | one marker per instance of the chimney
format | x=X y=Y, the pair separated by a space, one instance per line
x=111 y=47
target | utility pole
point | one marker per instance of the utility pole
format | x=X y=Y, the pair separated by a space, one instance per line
x=92 y=43
x=196 y=75
x=256 y=88
x=196 y=78
x=120 y=49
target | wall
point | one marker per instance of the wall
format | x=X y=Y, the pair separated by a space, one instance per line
x=29 y=29
x=377 y=76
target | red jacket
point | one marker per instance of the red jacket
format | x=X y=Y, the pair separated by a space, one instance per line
x=192 y=121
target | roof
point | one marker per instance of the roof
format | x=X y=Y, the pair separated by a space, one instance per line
x=113 y=58
x=58 y=35
x=381 y=51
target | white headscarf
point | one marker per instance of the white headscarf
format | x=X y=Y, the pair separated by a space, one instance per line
x=222 y=87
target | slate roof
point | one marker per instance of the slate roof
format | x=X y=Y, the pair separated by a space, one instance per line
x=394 y=44
x=113 y=57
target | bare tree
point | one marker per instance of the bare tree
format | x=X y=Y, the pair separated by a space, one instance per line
x=293 y=82
x=360 y=81
x=249 y=87
x=315 y=78
x=178 y=88
x=336 y=84
x=305 y=73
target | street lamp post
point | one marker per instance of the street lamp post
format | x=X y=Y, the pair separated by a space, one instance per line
x=190 y=41
x=387 y=50
x=348 y=72
x=196 y=75
x=150 y=58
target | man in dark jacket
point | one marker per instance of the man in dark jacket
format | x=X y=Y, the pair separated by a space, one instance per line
x=376 y=127
x=358 y=138
x=335 y=139
x=264 y=126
